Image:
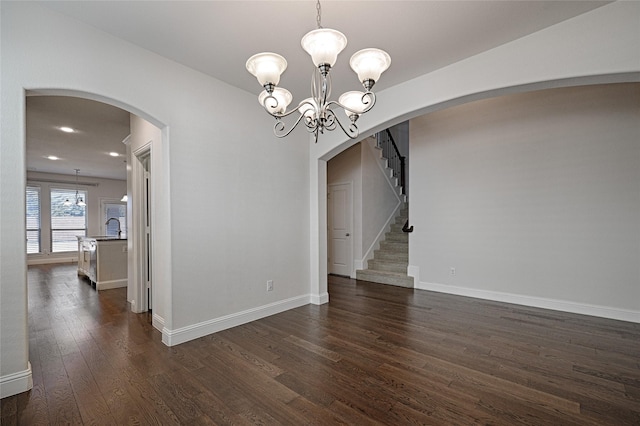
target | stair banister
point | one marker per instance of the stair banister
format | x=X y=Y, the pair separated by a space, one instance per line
x=391 y=152
x=395 y=161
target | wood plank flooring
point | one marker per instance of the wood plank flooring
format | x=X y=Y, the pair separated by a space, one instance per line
x=375 y=354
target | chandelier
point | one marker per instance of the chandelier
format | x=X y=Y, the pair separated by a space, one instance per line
x=79 y=201
x=316 y=112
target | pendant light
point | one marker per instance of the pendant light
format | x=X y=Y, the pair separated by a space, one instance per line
x=79 y=201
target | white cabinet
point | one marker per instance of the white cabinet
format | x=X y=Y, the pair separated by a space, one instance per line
x=103 y=260
x=84 y=255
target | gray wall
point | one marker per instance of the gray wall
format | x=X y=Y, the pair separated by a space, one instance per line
x=534 y=198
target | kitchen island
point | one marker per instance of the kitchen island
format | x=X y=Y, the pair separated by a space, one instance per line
x=103 y=260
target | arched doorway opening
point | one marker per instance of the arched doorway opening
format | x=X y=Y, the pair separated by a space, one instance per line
x=321 y=154
x=142 y=146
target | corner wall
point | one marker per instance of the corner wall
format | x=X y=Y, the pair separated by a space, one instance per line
x=533 y=198
x=235 y=200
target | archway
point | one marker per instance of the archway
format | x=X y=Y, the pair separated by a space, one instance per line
x=323 y=153
x=148 y=129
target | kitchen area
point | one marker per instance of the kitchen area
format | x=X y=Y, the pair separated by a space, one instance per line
x=103 y=259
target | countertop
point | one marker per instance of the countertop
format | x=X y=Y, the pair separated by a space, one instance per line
x=103 y=238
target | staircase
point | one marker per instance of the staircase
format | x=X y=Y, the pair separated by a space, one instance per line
x=389 y=263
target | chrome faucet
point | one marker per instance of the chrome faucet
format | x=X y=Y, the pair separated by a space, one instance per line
x=117 y=220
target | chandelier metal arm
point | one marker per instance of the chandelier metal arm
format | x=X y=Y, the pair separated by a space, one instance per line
x=365 y=95
x=277 y=115
x=279 y=128
x=313 y=125
x=286 y=113
x=352 y=131
x=322 y=118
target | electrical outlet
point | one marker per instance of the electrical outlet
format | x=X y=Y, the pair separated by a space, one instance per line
x=270 y=285
x=452 y=271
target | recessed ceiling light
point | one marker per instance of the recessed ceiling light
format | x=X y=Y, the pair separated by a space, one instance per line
x=114 y=154
x=67 y=129
x=52 y=157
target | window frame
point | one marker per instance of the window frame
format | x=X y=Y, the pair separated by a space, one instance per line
x=52 y=230
x=38 y=190
x=104 y=202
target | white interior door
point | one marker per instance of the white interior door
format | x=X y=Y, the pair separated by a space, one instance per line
x=340 y=221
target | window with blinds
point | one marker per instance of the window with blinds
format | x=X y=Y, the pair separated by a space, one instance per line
x=33 y=219
x=67 y=222
x=115 y=228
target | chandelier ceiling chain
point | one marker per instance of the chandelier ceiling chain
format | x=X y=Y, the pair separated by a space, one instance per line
x=319 y=15
x=324 y=45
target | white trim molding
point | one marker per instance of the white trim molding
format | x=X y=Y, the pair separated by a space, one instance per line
x=414 y=271
x=108 y=285
x=194 y=331
x=158 y=322
x=50 y=259
x=15 y=383
x=319 y=299
x=536 y=302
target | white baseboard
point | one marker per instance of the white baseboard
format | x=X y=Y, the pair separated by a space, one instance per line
x=191 y=332
x=51 y=259
x=13 y=384
x=414 y=271
x=106 y=285
x=357 y=266
x=158 y=322
x=536 y=302
x=319 y=299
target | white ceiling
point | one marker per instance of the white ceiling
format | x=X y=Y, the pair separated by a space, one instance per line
x=100 y=129
x=217 y=37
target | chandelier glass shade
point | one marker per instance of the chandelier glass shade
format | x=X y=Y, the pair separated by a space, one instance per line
x=324 y=45
x=316 y=112
x=267 y=67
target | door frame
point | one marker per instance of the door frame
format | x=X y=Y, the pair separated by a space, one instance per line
x=138 y=254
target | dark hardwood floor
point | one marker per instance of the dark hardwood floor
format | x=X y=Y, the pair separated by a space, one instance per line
x=375 y=354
